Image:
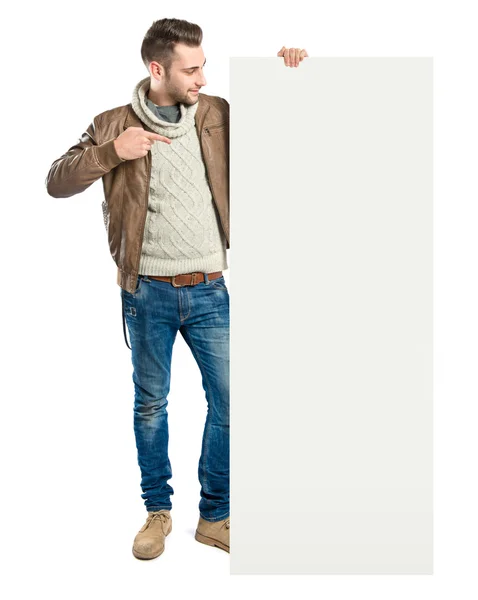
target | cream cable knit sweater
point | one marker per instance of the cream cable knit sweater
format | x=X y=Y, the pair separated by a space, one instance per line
x=182 y=232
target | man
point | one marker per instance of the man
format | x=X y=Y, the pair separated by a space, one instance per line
x=164 y=161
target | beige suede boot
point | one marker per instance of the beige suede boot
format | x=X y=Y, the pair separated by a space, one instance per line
x=213 y=533
x=149 y=541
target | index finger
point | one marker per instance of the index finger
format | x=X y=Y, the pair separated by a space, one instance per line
x=154 y=136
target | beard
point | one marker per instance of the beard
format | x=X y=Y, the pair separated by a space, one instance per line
x=179 y=95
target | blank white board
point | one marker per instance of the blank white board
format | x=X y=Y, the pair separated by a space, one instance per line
x=331 y=270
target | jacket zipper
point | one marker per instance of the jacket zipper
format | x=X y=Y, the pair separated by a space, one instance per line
x=145 y=215
x=209 y=181
x=213 y=127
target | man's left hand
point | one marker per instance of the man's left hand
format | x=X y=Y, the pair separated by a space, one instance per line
x=292 y=56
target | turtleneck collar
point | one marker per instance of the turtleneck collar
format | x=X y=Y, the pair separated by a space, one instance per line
x=170 y=130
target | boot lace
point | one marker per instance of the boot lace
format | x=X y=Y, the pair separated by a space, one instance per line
x=158 y=516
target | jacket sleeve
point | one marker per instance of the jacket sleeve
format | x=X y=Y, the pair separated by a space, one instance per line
x=81 y=165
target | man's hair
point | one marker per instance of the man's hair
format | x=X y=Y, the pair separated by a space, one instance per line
x=163 y=35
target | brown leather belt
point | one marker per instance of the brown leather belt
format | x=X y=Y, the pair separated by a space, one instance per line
x=185 y=278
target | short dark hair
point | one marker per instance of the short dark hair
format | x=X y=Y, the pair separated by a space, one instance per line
x=163 y=35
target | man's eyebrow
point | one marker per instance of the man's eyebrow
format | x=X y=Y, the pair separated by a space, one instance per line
x=189 y=68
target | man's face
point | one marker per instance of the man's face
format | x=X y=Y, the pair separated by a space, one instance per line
x=185 y=76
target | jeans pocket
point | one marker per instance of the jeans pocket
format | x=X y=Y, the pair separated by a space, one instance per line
x=219 y=283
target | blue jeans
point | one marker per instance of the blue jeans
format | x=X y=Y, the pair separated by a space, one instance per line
x=154 y=314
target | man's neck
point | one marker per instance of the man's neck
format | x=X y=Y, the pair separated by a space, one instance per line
x=159 y=105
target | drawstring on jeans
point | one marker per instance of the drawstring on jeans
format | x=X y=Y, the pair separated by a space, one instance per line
x=124 y=326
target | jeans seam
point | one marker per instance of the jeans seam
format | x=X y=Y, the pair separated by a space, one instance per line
x=181 y=305
x=206 y=444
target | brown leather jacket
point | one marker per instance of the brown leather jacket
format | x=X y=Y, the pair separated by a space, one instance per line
x=126 y=182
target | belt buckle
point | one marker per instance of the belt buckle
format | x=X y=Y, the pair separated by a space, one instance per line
x=177 y=285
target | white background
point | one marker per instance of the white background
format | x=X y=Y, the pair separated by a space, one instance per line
x=70 y=501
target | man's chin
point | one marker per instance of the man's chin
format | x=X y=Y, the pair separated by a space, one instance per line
x=191 y=99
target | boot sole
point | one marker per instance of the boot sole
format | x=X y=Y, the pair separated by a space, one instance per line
x=144 y=557
x=204 y=539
